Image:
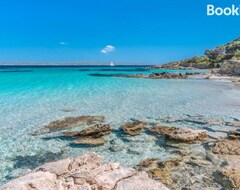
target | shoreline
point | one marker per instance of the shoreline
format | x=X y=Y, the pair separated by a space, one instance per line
x=199 y=151
x=150 y=147
x=228 y=78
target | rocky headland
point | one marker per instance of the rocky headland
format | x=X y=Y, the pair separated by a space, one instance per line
x=225 y=59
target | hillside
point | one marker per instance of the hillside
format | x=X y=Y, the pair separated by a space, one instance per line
x=220 y=57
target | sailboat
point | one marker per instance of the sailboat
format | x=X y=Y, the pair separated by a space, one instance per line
x=111 y=64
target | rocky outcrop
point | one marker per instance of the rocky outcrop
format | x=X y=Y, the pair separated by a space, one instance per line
x=86 y=172
x=214 y=58
x=95 y=131
x=69 y=123
x=134 y=128
x=199 y=62
x=192 y=171
x=165 y=75
x=90 y=136
x=183 y=134
x=226 y=146
x=72 y=127
x=230 y=67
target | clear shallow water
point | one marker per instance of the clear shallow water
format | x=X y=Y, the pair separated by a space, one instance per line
x=31 y=97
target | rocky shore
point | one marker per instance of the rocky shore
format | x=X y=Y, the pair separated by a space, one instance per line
x=86 y=172
x=155 y=75
x=203 y=158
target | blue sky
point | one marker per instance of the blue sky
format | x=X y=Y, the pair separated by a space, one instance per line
x=142 y=31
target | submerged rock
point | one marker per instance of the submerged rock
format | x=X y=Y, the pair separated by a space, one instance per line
x=200 y=120
x=90 y=141
x=204 y=121
x=95 y=131
x=70 y=122
x=234 y=124
x=85 y=172
x=160 y=170
x=148 y=163
x=182 y=134
x=161 y=174
x=226 y=146
x=90 y=136
x=134 y=128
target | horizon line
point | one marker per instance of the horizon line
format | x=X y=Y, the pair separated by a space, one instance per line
x=72 y=64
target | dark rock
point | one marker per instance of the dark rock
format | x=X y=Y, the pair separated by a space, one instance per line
x=95 y=131
x=230 y=67
x=234 y=135
x=71 y=122
x=134 y=128
x=165 y=75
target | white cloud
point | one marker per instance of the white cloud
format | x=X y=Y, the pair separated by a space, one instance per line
x=108 y=49
x=63 y=43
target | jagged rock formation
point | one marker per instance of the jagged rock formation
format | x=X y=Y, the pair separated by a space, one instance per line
x=87 y=172
x=230 y=67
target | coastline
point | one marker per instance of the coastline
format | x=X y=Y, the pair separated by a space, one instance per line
x=220 y=77
x=207 y=158
x=126 y=127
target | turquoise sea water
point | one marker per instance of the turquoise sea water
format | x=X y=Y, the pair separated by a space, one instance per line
x=31 y=97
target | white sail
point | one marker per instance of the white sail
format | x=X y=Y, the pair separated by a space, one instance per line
x=112 y=64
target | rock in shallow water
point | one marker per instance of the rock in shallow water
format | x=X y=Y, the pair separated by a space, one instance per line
x=84 y=173
x=160 y=170
x=90 y=136
x=234 y=123
x=134 y=128
x=226 y=146
x=70 y=122
x=95 y=131
x=90 y=141
x=182 y=134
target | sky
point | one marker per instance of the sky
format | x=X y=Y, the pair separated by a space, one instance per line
x=123 y=31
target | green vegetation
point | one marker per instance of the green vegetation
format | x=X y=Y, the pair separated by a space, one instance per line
x=237 y=54
x=212 y=58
